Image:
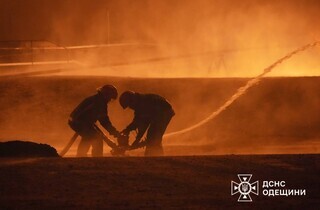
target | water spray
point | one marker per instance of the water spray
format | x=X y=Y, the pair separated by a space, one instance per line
x=242 y=90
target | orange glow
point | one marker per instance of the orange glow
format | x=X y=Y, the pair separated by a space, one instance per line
x=243 y=37
x=207 y=49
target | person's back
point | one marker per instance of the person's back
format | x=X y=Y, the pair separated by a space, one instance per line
x=153 y=106
x=89 y=110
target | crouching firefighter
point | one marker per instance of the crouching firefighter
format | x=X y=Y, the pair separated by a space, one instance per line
x=86 y=114
x=151 y=112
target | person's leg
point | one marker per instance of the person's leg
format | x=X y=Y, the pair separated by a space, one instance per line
x=83 y=147
x=154 y=136
x=90 y=138
x=154 y=150
x=97 y=147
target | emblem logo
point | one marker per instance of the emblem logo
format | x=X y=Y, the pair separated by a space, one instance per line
x=244 y=188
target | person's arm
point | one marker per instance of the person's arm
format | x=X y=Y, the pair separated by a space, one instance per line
x=141 y=130
x=106 y=123
x=132 y=126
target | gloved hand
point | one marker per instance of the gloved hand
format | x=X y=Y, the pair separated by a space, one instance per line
x=125 y=132
x=123 y=141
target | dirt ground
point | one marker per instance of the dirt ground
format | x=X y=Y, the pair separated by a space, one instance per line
x=190 y=182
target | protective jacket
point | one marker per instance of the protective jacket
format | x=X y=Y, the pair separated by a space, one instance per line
x=148 y=109
x=91 y=110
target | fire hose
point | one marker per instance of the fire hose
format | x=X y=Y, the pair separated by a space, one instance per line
x=117 y=150
x=68 y=146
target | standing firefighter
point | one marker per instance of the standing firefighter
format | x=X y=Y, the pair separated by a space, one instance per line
x=87 y=113
x=150 y=111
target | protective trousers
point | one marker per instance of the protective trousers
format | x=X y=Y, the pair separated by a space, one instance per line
x=89 y=138
x=155 y=134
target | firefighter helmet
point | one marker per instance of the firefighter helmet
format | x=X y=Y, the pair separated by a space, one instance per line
x=127 y=99
x=108 y=91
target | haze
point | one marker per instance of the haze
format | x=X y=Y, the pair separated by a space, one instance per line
x=243 y=37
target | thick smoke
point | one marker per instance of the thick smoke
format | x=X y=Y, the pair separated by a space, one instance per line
x=234 y=33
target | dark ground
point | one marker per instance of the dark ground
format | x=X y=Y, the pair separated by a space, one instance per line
x=192 y=182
